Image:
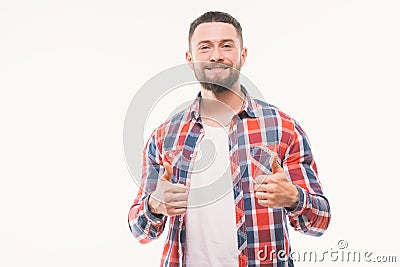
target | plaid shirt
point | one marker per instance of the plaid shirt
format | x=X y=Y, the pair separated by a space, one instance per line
x=262 y=233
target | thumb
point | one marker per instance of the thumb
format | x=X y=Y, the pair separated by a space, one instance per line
x=168 y=171
x=275 y=165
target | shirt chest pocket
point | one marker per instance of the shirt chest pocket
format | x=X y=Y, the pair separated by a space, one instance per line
x=260 y=157
x=181 y=164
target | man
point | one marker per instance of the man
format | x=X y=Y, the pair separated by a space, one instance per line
x=232 y=208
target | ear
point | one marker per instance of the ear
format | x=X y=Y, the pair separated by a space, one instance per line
x=243 y=55
x=189 y=59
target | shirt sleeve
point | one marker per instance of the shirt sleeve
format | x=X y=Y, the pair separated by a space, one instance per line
x=144 y=225
x=312 y=214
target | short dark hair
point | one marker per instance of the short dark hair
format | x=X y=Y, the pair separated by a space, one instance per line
x=216 y=16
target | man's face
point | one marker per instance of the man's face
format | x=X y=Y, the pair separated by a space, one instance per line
x=215 y=50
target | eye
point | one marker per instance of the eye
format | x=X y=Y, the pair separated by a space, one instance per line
x=227 y=46
x=204 y=47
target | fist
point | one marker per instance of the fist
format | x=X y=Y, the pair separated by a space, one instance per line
x=168 y=199
x=276 y=190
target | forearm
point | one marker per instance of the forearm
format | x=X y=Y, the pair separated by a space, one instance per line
x=311 y=215
x=144 y=225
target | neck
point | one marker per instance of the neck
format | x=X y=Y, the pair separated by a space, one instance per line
x=217 y=109
x=233 y=98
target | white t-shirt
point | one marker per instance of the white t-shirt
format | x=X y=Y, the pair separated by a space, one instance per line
x=211 y=235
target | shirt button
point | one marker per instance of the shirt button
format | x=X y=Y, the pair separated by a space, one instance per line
x=191 y=155
x=202 y=130
x=180 y=219
x=180 y=252
x=170 y=154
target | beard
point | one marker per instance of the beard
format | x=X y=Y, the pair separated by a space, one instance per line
x=216 y=82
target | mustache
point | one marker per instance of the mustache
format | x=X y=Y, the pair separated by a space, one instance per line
x=215 y=65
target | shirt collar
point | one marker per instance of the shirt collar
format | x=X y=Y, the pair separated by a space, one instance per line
x=249 y=108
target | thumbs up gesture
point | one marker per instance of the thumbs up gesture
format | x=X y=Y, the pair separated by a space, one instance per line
x=168 y=199
x=276 y=190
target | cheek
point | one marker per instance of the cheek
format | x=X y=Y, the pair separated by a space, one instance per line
x=201 y=57
x=233 y=57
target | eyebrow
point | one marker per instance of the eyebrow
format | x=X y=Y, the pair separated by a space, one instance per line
x=210 y=42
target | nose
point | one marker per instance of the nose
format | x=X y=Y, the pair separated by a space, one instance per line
x=216 y=55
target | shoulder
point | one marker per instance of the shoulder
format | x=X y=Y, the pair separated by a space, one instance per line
x=174 y=121
x=165 y=134
x=285 y=123
x=269 y=111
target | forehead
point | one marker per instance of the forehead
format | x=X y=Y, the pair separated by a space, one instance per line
x=214 y=31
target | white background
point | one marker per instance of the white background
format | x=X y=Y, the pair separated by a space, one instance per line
x=69 y=69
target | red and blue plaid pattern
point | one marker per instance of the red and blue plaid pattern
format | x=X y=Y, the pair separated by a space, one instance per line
x=257 y=129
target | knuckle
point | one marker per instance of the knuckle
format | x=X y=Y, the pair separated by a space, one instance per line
x=262 y=202
x=260 y=187
x=271 y=197
x=168 y=198
x=169 y=208
x=272 y=188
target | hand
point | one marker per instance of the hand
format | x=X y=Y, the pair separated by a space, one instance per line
x=168 y=199
x=276 y=190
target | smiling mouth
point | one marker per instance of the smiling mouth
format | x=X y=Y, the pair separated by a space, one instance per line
x=217 y=68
